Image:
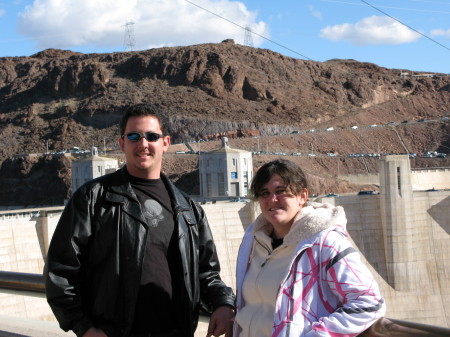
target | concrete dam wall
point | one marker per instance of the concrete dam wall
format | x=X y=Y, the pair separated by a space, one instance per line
x=403 y=236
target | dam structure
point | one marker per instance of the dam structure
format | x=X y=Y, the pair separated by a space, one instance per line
x=403 y=235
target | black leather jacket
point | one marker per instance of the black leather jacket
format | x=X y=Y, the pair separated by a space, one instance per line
x=95 y=257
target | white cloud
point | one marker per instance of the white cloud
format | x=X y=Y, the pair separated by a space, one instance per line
x=69 y=23
x=315 y=13
x=441 y=32
x=374 y=30
x=2 y=12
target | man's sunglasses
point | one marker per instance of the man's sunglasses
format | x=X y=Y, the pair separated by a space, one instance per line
x=136 y=136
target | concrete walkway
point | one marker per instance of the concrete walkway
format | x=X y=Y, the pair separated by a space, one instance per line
x=22 y=327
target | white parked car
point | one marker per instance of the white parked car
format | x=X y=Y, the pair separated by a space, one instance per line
x=330 y=129
x=354 y=127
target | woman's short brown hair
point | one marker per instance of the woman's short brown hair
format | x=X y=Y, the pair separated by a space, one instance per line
x=292 y=175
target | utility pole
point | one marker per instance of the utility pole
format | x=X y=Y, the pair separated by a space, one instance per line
x=129 y=40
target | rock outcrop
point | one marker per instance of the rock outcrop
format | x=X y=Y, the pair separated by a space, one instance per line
x=55 y=100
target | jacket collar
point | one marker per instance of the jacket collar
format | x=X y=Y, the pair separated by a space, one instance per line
x=309 y=221
x=120 y=188
x=179 y=199
x=122 y=192
x=119 y=191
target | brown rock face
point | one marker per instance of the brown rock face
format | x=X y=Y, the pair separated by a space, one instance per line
x=55 y=100
x=33 y=181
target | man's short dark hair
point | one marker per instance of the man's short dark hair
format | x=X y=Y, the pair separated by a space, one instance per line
x=144 y=109
x=291 y=174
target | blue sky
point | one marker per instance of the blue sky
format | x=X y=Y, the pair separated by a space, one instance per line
x=402 y=34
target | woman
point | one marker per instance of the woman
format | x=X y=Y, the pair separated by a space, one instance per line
x=297 y=274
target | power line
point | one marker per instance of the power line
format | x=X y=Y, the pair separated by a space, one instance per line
x=391 y=7
x=429 y=38
x=261 y=36
x=433 y=2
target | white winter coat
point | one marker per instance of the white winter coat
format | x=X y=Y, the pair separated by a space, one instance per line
x=326 y=290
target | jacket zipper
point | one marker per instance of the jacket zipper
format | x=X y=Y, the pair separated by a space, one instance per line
x=269 y=252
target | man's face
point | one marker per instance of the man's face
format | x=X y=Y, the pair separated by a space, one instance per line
x=144 y=158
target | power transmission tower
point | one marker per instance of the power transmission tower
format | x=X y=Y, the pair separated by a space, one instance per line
x=248 y=40
x=129 y=40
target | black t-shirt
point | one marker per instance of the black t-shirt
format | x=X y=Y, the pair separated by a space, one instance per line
x=277 y=243
x=155 y=307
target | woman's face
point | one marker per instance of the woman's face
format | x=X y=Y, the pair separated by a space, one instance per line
x=279 y=206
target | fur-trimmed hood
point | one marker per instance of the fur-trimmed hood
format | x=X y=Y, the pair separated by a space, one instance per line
x=311 y=220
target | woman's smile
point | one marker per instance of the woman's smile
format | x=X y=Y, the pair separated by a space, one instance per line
x=279 y=206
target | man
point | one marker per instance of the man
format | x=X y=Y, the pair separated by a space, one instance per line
x=132 y=255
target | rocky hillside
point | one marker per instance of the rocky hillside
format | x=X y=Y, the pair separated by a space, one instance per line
x=55 y=100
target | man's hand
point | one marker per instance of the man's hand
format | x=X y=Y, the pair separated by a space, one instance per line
x=221 y=322
x=93 y=332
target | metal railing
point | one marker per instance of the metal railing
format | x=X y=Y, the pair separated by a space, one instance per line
x=384 y=327
x=10 y=280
